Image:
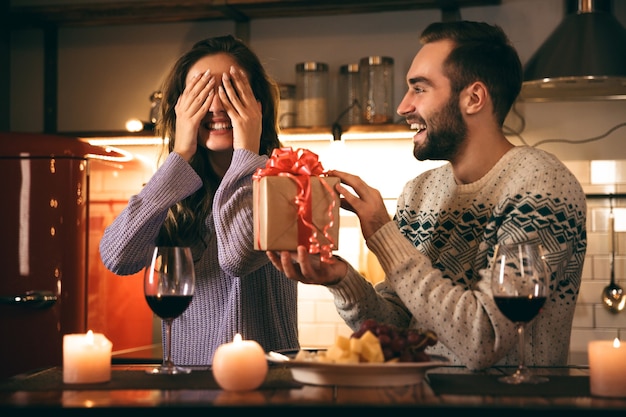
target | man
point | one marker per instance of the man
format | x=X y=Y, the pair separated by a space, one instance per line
x=461 y=85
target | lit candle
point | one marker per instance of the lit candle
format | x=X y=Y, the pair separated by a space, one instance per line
x=86 y=358
x=240 y=365
x=607 y=368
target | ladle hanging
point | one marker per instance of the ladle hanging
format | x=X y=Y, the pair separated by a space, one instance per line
x=613 y=295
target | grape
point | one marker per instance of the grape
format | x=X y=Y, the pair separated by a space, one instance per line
x=358 y=334
x=387 y=353
x=382 y=329
x=406 y=356
x=384 y=340
x=398 y=344
x=413 y=338
x=404 y=345
x=369 y=324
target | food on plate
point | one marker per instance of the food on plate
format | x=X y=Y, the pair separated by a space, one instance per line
x=347 y=350
x=376 y=343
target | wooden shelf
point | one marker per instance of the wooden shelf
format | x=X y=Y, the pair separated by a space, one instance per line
x=371 y=129
x=161 y=11
x=366 y=128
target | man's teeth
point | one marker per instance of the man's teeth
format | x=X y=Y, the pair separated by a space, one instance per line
x=419 y=127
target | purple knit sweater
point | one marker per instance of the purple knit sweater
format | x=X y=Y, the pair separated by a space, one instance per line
x=237 y=288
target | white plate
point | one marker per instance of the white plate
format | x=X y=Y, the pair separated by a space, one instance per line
x=362 y=374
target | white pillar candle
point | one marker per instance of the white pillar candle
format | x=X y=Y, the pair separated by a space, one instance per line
x=240 y=365
x=86 y=358
x=607 y=368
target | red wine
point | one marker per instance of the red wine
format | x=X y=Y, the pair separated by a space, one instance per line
x=520 y=309
x=168 y=306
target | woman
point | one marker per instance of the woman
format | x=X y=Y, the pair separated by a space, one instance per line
x=219 y=112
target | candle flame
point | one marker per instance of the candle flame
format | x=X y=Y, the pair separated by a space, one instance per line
x=616 y=343
x=89 y=337
x=237 y=338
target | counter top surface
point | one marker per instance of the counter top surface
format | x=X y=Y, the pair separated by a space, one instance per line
x=444 y=389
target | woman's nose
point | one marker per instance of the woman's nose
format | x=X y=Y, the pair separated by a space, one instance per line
x=216 y=105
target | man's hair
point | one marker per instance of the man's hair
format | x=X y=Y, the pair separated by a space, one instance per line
x=483 y=53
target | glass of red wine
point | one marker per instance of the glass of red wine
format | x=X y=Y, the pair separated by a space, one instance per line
x=169 y=282
x=519 y=281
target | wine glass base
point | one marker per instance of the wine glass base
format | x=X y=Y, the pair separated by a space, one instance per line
x=168 y=370
x=518 y=378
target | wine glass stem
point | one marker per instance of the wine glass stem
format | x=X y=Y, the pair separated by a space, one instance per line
x=520 y=340
x=167 y=355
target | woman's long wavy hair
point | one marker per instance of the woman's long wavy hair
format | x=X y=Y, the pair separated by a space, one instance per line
x=185 y=222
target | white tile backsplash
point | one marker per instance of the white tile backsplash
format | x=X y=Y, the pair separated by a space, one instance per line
x=608 y=320
x=583 y=316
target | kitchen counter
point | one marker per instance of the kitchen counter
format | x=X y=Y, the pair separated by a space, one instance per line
x=445 y=389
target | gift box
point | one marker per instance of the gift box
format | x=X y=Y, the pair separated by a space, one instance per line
x=292 y=207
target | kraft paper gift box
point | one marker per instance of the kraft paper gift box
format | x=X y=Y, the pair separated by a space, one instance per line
x=276 y=221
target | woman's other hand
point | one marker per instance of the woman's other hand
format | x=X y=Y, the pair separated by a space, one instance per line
x=191 y=107
x=243 y=109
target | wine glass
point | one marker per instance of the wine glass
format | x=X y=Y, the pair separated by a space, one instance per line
x=169 y=282
x=519 y=281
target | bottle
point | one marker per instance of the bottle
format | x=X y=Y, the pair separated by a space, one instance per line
x=376 y=73
x=287 y=106
x=349 y=95
x=311 y=94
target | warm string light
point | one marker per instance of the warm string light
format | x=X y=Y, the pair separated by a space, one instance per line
x=134 y=125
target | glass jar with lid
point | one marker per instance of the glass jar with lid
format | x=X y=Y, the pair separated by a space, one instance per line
x=311 y=94
x=349 y=103
x=376 y=73
x=287 y=106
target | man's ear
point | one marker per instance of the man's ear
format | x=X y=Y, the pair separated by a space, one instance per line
x=474 y=97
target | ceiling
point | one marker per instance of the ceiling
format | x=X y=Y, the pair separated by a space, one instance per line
x=161 y=11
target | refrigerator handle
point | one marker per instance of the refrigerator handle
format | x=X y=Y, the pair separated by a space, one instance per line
x=32 y=299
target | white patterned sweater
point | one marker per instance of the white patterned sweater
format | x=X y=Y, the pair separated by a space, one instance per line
x=443 y=235
x=237 y=289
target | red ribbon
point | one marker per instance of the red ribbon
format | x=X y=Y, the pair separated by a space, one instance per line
x=300 y=165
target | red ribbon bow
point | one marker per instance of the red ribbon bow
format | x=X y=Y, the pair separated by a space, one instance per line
x=300 y=165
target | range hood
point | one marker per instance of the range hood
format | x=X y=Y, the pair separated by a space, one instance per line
x=583 y=59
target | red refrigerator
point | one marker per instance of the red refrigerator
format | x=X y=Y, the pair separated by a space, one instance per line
x=43 y=246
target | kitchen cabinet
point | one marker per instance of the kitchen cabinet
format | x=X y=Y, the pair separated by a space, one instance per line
x=50 y=18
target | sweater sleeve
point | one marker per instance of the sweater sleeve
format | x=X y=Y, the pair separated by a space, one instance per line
x=438 y=303
x=233 y=216
x=357 y=299
x=411 y=285
x=127 y=242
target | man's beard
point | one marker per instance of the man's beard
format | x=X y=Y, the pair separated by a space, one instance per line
x=446 y=131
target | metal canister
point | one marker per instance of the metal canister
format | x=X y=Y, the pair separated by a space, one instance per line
x=311 y=94
x=376 y=74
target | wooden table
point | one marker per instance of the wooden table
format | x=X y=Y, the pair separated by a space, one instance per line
x=130 y=389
